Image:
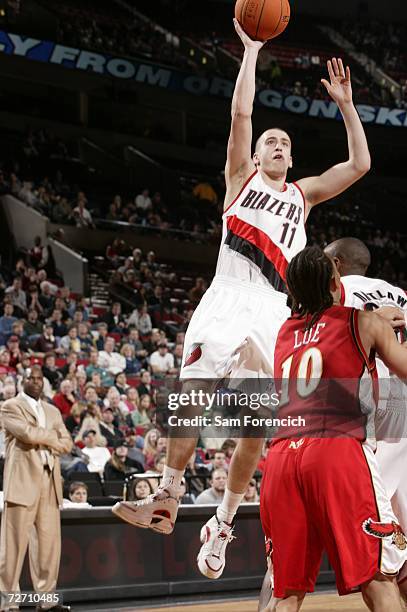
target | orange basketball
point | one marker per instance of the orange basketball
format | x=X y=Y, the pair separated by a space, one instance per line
x=263 y=19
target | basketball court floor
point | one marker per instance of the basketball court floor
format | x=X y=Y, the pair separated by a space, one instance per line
x=314 y=603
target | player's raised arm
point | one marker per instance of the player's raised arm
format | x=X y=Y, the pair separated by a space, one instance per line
x=239 y=163
x=338 y=178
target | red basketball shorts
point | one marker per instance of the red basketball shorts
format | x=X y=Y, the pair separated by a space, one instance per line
x=327 y=494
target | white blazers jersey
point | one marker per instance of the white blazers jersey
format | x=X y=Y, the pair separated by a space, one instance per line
x=371 y=293
x=263 y=229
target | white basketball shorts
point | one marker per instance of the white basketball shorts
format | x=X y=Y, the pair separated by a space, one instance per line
x=233 y=331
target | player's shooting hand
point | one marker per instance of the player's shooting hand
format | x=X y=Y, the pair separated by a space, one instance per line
x=246 y=40
x=394 y=316
x=339 y=86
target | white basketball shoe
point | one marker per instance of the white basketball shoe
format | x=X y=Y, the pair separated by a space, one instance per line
x=157 y=512
x=215 y=536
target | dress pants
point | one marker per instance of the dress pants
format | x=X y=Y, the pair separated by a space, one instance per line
x=39 y=528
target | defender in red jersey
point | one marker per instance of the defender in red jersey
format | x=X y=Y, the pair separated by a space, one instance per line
x=322 y=488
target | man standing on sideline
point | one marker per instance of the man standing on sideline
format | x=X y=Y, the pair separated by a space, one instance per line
x=35 y=437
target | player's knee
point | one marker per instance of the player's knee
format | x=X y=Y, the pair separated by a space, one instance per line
x=382 y=593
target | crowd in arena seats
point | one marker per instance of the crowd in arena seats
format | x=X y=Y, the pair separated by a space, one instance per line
x=112 y=29
x=383 y=42
x=107 y=371
x=292 y=64
x=28 y=178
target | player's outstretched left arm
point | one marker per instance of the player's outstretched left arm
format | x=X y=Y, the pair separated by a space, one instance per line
x=337 y=179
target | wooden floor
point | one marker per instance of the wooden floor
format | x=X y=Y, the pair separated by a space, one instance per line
x=312 y=603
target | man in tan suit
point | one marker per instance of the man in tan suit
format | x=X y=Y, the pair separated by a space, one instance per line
x=35 y=437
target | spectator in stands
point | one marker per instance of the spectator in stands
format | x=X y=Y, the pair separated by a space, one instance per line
x=80 y=213
x=133 y=365
x=33 y=327
x=161 y=361
x=144 y=324
x=14 y=351
x=218 y=461
x=64 y=399
x=228 y=447
x=143 y=202
x=6 y=321
x=33 y=302
x=114 y=319
x=159 y=464
x=205 y=192
x=139 y=416
x=61 y=305
x=17 y=296
x=98 y=455
x=115 y=251
x=141 y=488
x=61 y=211
x=70 y=343
x=18 y=330
x=59 y=327
x=145 y=387
x=85 y=339
x=120 y=382
x=46 y=343
x=70 y=366
x=94 y=368
x=108 y=430
x=27 y=195
x=80 y=378
x=119 y=465
x=127 y=265
x=46 y=298
x=38 y=254
x=251 y=496
x=8 y=391
x=178 y=353
x=102 y=335
x=74 y=419
x=79 y=304
x=91 y=419
x=116 y=403
x=78 y=492
x=214 y=494
x=110 y=360
x=150 y=445
x=160 y=448
x=197 y=291
x=132 y=399
x=134 y=339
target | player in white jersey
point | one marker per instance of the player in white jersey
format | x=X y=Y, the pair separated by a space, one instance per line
x=235 y=326
x=352 y=258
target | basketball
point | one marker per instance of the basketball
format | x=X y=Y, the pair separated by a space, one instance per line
x=263 y=19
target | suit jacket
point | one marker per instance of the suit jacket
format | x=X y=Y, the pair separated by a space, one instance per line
x=24 y=438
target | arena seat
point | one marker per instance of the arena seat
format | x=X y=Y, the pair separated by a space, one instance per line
x=113 y=488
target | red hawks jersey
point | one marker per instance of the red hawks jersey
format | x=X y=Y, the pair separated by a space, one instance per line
x=326 y=376
x=263 y=229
